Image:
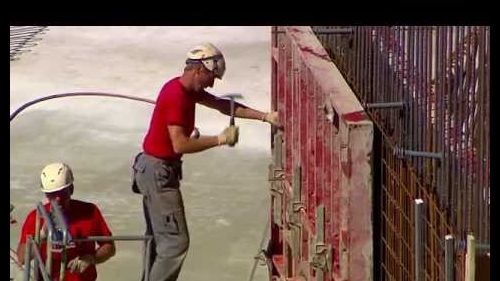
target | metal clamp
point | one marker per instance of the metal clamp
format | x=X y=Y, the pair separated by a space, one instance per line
x=321 y=253
x=322 y=257
x=297 y=206
x=294 y=213
x=275 y=174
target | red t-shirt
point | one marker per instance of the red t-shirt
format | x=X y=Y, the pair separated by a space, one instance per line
x=83 y=219
x=174 y=106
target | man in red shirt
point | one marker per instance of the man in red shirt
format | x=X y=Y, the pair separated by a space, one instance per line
x=83 y=220
x=158 y=169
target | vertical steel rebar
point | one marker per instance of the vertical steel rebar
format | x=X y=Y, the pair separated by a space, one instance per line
x=419 y=240
x=487 y=133
x=442 y=75
x=449 y=258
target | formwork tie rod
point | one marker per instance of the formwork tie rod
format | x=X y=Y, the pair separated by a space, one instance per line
x=385 y=105
x=401 y=152
x=341 y=30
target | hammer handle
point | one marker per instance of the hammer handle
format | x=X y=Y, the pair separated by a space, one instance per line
x=231 y=121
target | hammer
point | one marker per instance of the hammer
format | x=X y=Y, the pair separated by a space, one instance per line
x=232 y=97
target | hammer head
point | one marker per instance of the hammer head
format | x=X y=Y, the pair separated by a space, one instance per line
x=232 y=96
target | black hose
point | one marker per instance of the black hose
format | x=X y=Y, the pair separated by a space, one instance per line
x=30 y=103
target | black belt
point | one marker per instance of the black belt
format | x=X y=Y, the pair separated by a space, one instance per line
x=174 y=163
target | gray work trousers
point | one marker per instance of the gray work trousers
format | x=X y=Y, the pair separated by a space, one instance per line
x=159 y=181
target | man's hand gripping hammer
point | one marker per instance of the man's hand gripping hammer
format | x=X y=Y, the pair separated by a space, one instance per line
x=232 y=97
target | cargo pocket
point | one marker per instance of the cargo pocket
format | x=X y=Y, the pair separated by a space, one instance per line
x=137 y=167
x=171 y=223
x=165 y=177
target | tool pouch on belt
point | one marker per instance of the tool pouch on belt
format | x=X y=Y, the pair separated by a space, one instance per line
x=137 y=167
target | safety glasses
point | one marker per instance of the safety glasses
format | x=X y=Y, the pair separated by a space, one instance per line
x=216 y=65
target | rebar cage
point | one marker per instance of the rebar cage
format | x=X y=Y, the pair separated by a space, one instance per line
x=427 y=90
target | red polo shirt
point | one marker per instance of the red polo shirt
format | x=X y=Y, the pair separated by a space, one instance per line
x=83 y=219
x=174 y=106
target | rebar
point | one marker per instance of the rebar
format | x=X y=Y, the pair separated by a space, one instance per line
x=22 y=38
x=441 y=74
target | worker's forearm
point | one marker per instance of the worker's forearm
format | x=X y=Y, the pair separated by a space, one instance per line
x=192 y=145
x=104 y=252
x=248 y=113
x=240 y=110
x=20 y=253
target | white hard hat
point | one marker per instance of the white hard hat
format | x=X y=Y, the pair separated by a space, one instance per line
x=210 y=56
x=56 y=176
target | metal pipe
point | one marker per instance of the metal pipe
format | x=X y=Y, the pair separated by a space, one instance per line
x=50 y=231
x=385 y=105
x=479 y=119
x=449 y=257
x=45 y=275
x=401 y=152
x=456 y=128
x=64 y=258
x=61 y=222
x=487 y=132
x=419 y=240
x=338 y=30
x=113 y=238
x=439 y=112
x=66 y=236
x=27 y=260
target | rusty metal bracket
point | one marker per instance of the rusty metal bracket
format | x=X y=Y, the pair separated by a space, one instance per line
x=321 y=253
x=275 y=174
x=322 y=257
